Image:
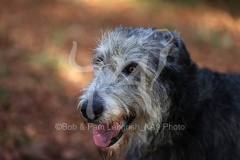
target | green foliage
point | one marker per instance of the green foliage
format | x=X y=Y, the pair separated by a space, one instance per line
x=58 y=36
x=215 y=39
x=4 y=72
x=44 y=60
x=5 y=96
x=169 y=26
x=199 y=35
x=188 y=2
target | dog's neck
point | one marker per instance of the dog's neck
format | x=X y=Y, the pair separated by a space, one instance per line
x=182 y=99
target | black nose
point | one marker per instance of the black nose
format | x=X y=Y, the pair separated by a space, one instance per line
x=92 y=109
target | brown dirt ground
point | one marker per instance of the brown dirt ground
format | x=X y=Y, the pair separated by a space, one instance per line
x=38 y=88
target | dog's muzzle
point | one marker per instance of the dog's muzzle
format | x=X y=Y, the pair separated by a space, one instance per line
x=104 y=135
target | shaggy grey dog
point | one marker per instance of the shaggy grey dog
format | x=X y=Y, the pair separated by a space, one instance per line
x=148 y=100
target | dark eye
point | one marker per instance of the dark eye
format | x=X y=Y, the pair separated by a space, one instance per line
x=130 y=68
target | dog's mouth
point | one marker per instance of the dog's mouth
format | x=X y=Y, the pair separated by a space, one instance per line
x=106 y=135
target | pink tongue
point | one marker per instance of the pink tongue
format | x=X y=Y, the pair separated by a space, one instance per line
x=103 y=134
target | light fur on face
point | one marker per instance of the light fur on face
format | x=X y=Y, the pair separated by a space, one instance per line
x=141 y=94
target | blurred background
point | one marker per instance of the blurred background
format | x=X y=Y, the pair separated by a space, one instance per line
x=38 y=89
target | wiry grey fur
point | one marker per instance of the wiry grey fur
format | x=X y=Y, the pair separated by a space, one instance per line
x=144 y=94
x=125 y=96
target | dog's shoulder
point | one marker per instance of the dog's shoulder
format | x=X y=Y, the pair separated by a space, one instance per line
x=220 y=87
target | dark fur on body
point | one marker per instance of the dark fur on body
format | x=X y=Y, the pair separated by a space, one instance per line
x=207 y=103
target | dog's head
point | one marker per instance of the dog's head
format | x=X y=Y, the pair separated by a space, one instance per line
x=130 y=90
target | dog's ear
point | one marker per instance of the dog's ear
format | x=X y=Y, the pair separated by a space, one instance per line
x=183 y=56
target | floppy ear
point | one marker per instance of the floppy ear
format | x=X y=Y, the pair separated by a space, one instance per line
x=183 y=56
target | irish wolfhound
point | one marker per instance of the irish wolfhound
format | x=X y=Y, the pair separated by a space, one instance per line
x=148 y=100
